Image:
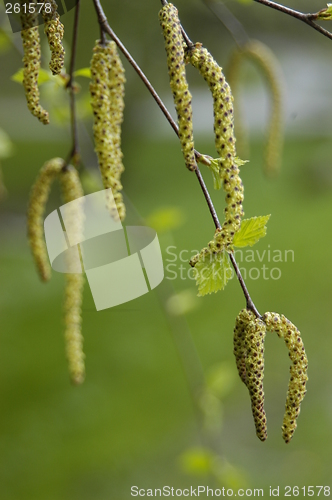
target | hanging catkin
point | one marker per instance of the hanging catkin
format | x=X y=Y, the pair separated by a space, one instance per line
x=239 y=347
x=107 y=92
x=31 y=63
x=54 y=31
x=71 y=189
x=298 y=370
x=249 y=336
x=254 y=361
x=229 y=172
x=37 y=204
x=171 y=27
x=268 y=65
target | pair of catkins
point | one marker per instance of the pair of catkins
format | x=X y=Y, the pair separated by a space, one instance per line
x=107 y=100
x=250 y=330
x=249 y=337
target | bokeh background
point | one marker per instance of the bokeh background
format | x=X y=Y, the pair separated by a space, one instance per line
x=143 y=416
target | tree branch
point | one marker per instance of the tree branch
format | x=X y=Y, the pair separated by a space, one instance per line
x=306 y=18
x=74 y=155
x=104 y=25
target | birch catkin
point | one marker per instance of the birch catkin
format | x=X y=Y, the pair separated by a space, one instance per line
x=249 y=336
x=31 y=64
x=71 y=190
x=239 y=343
x=171 y=27
x=37 y=204
x=107 y=92
x=229 y=164
x=298 y=370
x=54 y=31
x=254 y=361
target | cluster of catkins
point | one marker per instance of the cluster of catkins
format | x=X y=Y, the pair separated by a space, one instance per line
x=249 y=336
x=71 y=189
x=268 y=65
x=32 y=52
x=107 y=91
x=227 y=163
x=107 y=100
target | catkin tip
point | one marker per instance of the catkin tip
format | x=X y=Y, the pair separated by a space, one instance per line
x=54 y=31
x=298 y=371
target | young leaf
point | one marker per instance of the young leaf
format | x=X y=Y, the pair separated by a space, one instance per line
x=44 y=76
x=251 y=231
x=214 y=168
x=212 y=273
x=325 y=14
x=86 y=72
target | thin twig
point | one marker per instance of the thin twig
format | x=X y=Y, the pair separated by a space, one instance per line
x=74 y=154
x=231 y=23
x=102 y=19
x=306 y=18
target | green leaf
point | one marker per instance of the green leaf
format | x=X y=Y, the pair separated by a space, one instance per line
x=212 y=273
x=44 y=76
x=86 y=72
x=213 y=165
x=214 y=169
x=251 y=231
x=325 y=14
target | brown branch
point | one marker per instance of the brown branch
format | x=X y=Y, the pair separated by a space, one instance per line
x=306 y=18
x=74 y=155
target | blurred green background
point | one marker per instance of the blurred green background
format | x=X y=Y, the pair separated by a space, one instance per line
x=137 y=419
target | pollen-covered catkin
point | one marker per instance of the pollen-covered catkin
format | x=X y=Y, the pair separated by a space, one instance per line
x=71 y=190
x=229 y=164
x=38 y=199
x=268 y=65
x=298 y=370
x=239 y=343
x=107 y=92
x=54 y=31
x=254 y=362
x=171 y=27
x=31 y=64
